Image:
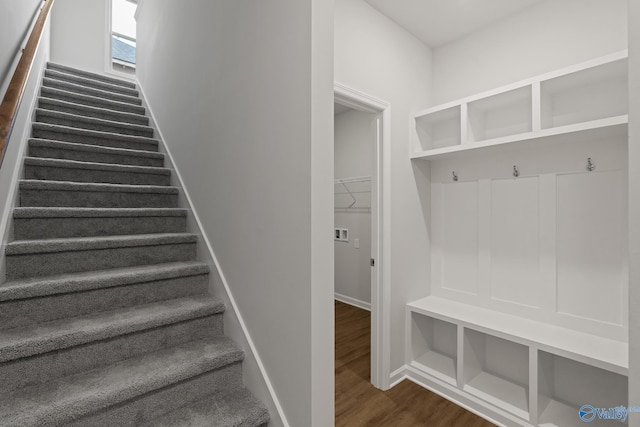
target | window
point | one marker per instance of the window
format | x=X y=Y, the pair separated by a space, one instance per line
x=123 y=36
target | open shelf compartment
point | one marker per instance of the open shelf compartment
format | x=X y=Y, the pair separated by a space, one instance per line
x=594 y=93
x=497 y=371
x=565 y=385
x=434 y=347
x=439 y=129
x=504 y=114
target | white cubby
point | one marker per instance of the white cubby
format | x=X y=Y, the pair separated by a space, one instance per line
x=439 y=129
x=526 y=319
x=595 y=93
x=504 y=114
x=566 y=385
x=497 y=371
x=434 y=347
x=590 y=98
x=536 y=373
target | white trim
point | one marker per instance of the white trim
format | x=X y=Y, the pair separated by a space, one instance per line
x=220 y=273
x=108 y=65
x=464 y=400
x=352 y=301
x=381 y=231
x=398 y=376
x=108 y=69
x=138 y=9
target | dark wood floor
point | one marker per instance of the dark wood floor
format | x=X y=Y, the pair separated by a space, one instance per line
x=358 y=403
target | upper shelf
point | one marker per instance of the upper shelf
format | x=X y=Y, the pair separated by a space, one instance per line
x=589 y=98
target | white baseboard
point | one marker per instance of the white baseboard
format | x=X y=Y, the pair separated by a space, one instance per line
x=471 y=403
x=352 y=301
x=398 y=376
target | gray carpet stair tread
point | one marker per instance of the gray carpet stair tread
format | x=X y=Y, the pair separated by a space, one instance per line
x=94 y=133
x=88 y=74
x=94 y=148
x=98 y=93
x=237 y=408
x=22 y=247
x=81 y=98
x=61 y=401
x=54 y=212
x=49 y=336
x=74 y=164
x=92 y=121
x=88 y=111
x=91 y=280
x=35 y=184
x=84 y=81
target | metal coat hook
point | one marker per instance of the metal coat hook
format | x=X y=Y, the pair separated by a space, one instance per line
x=455 y=176
x=590 y=166
x=516 y=172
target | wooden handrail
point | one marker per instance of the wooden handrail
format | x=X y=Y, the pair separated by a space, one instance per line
x=15 y=91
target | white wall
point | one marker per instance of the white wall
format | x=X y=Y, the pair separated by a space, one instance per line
x=547 y=36
x=12 y=165
x=15 y=20
x=261 y=184
x=375 y=56
x=355 y=136
x=79 y=33
x=634 y=210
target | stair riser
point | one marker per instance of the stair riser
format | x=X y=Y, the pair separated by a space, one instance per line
x=96 y=176
x=91 y=83
x=83 y=90
x=25 y=312
x=89 y=199
x=51 y=228
x=91 y=101
x=44 y=264
x=150 y=406
x=104 y=114
x=94 y=140
x=91 y=156
x=49 y=366
x=89 y=75
x=147 y=132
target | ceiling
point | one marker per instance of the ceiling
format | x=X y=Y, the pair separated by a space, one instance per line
x=438 y=22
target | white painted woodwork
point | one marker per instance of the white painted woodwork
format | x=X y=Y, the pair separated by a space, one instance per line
x=434 y=347
x=591 y=244
x=497 y=371
x=529 y=269
x=515 y=241
x=537 y=372
x=565 y=385
x=460 y=237
x=585 y=97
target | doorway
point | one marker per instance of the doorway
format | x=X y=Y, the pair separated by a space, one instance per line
x=366 y=192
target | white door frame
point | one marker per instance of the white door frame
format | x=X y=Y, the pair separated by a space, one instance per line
x=380 y=230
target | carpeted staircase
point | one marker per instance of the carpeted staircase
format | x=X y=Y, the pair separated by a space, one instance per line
x=105 y=318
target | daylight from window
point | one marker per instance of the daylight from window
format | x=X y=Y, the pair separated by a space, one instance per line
x=123 y=36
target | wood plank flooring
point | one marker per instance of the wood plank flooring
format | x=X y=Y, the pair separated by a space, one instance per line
x=358 y=403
